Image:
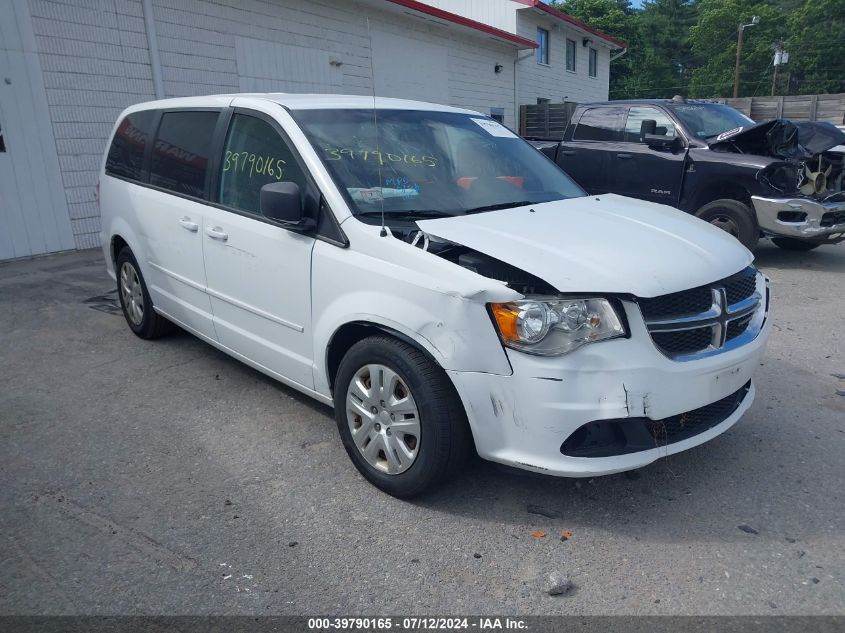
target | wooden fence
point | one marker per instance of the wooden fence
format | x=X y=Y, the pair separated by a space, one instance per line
x=829 y=108
x=548 y=120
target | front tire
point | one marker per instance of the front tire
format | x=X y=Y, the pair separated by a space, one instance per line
x=734 y=217
x=399 y=417
x=135 y=300
x=792 y=244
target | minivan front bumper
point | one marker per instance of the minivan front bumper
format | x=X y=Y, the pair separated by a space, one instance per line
x=523 y=420
x=802 y=218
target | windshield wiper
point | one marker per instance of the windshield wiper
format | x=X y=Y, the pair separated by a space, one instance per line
x=499 y=205
x=412 y=214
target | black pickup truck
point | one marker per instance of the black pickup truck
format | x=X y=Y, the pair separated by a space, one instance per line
x=776 y=179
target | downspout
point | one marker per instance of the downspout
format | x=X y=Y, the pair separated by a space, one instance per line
x=516 y=60
x=152 y=45
x=618 y=55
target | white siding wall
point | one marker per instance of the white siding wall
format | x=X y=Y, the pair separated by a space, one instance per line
x=95 y=62
x=498 y=13
x=554 y=82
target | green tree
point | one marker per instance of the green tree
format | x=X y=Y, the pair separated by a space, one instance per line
x=713 y=41
x=816 y=36
x=666 y=59
x=688 y=47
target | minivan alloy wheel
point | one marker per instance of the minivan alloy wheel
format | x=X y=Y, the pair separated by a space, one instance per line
x=383 y=418
x=132 y=293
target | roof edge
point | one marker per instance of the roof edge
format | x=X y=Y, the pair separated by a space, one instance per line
x=460 y=20
x=557 y=13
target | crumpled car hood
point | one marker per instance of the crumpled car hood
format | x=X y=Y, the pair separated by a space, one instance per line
x=605 y=244
x=781 y=138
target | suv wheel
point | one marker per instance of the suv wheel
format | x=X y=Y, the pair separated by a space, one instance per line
x=793 y=244
x=135 y=299
x=399 y=416
x=734 y=217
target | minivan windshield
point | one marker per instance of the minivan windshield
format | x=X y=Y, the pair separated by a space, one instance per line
x=422 y=163
x=706 y=120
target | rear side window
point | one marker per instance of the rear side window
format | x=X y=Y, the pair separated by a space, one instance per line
x=600 y=124
x=126 y=154
x=181 y=151
x=253 y=156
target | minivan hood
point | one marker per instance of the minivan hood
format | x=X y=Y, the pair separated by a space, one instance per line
x=601 y=244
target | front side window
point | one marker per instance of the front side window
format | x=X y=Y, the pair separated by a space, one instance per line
x=126 y=153
x=425 y=163
x=600 y=124
x=181 y=150
x=570 y=55
x=542 y=46
x=594 y=63
x=254 y=155
x=638 y=114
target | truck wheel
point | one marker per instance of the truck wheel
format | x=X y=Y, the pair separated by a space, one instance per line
x=792 y=244
x=734 y=217
x=399 y=416
x=135 y=299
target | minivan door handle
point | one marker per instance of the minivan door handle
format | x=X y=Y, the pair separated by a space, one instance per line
x=623 y=155
x=186 y=223
x=216 y=233
x=567 y=152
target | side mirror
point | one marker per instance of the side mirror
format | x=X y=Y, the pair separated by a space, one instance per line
x=656 y=141
x=282 y=203
x=647 y=127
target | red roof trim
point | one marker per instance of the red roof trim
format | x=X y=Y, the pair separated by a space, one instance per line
x=462 y=21
x=574 y=21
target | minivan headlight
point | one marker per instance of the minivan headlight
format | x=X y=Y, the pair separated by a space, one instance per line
x=551 y=327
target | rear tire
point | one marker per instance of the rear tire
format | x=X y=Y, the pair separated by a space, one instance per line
x=409 y=425
x=135 y=300
x=793 y=244
x=734 y=217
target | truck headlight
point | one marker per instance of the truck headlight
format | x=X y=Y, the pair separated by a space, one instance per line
x=551 y=327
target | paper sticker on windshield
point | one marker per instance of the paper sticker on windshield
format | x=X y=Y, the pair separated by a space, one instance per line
x=493 y=128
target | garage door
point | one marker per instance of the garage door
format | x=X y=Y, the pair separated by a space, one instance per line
x=33 y=209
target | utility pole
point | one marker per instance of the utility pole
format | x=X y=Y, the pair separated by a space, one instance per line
x=781 y=57
x=741 y=31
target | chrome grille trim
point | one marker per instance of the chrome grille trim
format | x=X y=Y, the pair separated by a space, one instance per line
x=718 y=318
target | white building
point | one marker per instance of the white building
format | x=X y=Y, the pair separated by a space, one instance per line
x=68 y=67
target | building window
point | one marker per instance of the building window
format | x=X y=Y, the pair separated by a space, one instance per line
x=498 y=114
x=594 y=63
x=542 y=46
x=570 y=55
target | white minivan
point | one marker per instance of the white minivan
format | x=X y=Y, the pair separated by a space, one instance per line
x=435 y=278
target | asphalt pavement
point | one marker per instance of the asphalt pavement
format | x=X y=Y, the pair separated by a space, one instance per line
x=167 y=478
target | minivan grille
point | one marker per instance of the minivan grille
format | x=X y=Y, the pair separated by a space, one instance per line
x=700 y=321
